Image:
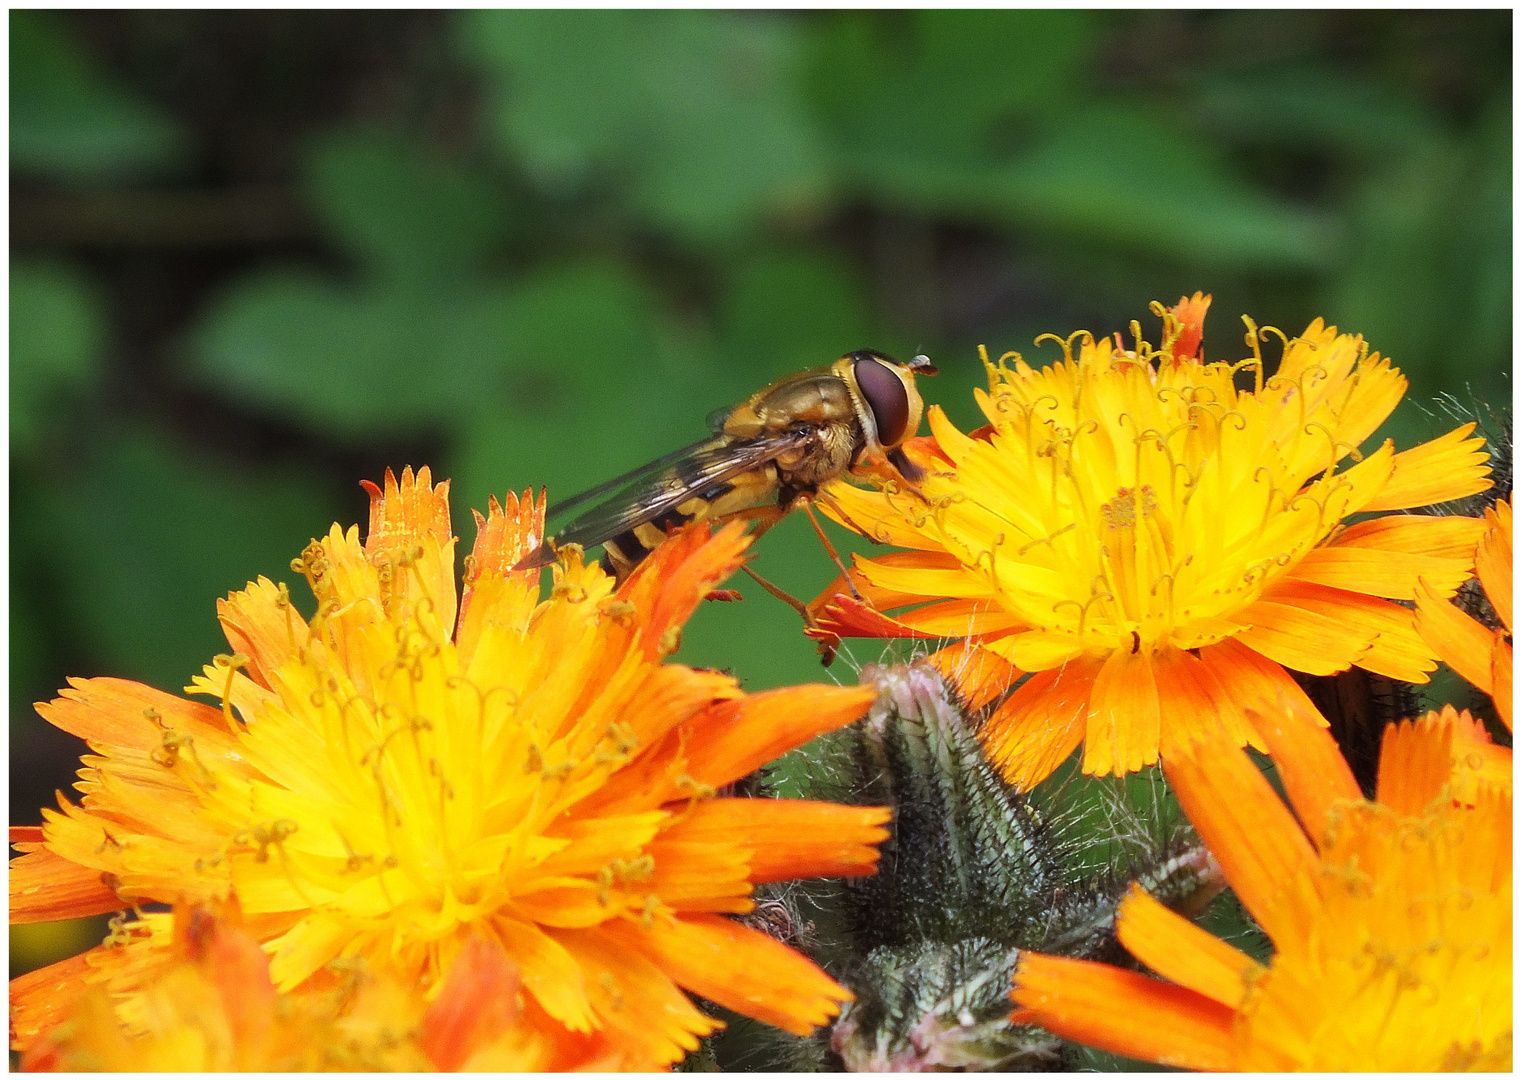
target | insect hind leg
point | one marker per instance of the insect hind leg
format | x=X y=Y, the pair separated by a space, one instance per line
x=807 y=507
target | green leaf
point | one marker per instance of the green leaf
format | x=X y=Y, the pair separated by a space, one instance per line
x=57 y=334
x=948 y=84
x=353 y=361
x=1312 y=106
x=148 y=540
x=406 y=214
x=70 y=124
x=1122 y=176
x=1428 y=280
x=785 y=311
x=596 y=386
x=694 y=118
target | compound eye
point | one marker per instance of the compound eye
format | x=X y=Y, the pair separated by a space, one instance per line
x=887 y=397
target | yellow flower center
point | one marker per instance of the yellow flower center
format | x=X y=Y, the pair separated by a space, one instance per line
x=1131 y=499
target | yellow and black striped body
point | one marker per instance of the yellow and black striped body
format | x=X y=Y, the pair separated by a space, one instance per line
x=775 y=448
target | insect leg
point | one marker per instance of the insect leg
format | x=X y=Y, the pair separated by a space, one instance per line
x=782 y=595
x=849 y=522
x=807 y=506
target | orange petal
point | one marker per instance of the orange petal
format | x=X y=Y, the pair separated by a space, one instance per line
x=870 y=513
x=1123 y=716
x=1495 y=561
x=1123 y=1012
x=1379 y=573
x=1449 y=467
x=549 y=971
x=508 y=532
x=734 y=738
x=412 y=514
x=1189 y=313
x=1038 y=650
x=960 y=618
x=475 y=1005
x=41 y=998
x=844 y=616
x=1256 y=683
x=879 y=596
x=789 y=838
x=635 y=996
x=1503 y=668
x=926 y=574
x=118 y=712
x=1314 y=774
x=1414 y=534
x=509 y=598
x=1478 y=766
x=261 y=623
x=1303 y=640
x=237 y=967
x=1465 y=644
x=1178 y=949
x=1190 y=694
x=738 y=968
x=667 y=587
x=710 y=874
x=978 y=674
x=1393 y=647
x=1361 y=483
x=1415 y=762
x=1396 y=649
x=1041 y=723
x=46 y=887
x=1252 y=835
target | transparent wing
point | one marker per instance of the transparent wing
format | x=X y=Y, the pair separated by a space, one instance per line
x=632 y=477
x=659 y=487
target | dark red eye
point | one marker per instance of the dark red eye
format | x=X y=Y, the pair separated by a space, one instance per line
x=887 y=397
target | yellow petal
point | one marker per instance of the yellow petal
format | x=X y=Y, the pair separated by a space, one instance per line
x=1449 y=467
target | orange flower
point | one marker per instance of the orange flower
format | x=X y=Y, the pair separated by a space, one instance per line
x=1484 y=657
x=1155 y=545
x=1392 y=920
x=382 y=786
x=212 y=1006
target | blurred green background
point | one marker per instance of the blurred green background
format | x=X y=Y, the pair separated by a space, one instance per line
x=259 y=256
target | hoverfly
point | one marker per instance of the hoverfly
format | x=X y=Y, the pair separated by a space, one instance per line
x=765 y=456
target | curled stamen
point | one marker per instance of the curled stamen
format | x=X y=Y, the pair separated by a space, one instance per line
x=232 y=664
x=1338 y=448
x=1318 y=504
x=991 y=554
x=1045 y=539
x=1065 y=342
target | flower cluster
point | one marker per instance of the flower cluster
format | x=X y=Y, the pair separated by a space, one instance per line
x=411 y=770
x=1137 y=555
x=440 y=828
